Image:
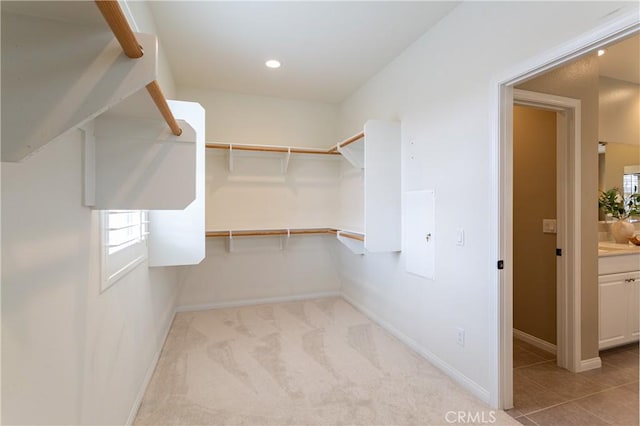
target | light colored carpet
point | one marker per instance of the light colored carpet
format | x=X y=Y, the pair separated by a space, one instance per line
x=315 y=362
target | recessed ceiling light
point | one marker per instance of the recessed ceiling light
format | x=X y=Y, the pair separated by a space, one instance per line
x=602 y=52
x=272 y=63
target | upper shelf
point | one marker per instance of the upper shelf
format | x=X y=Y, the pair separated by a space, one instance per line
x=43 y=99
x=349 y=148
x=58 y=75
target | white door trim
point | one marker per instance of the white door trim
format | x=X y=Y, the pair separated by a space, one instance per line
x=568 y=206
x=619 y=25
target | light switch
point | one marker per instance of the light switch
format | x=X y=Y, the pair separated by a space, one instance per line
x=460 y=237
x=549 y=226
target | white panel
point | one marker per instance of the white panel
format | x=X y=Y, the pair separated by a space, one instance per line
x=141 y=165
x=382 y=200
x=56 y=76
x=613 y=314
x=419 y=233
x=177 y=237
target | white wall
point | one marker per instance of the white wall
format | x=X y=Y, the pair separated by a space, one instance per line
x=70 y=354
x=260 y=269
x=440 y=90
x=619 y=114
x=258 y=195
x=263 y=120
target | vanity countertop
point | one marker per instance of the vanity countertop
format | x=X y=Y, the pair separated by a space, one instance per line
x=614 y=249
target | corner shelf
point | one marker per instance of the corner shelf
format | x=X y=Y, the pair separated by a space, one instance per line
x=375 y=155
x=352 y=240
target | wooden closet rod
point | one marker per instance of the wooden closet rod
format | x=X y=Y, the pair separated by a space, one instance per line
x=116 y=20
x=349 y=141
x=276 y=232
x=268 y=232
x=270 y=149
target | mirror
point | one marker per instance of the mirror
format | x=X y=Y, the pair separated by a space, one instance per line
x=619 y=167
x=631 y=179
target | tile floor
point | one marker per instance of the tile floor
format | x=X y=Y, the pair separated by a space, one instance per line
x=545 y=394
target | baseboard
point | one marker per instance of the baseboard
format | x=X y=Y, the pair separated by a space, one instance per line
x=149 y=374
x=445 y=367
x=589 y=364
x=535 y=341
x=250 y=302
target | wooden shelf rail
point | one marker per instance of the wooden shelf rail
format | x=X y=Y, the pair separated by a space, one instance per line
x=116 y=20
x=352 y=236
x=267 y=148
x=281 y=232
x=270 y=148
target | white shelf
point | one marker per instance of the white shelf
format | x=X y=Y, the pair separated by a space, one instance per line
x=48 y=100
x=353 y=241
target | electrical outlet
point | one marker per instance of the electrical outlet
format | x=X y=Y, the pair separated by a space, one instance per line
x=460 y=336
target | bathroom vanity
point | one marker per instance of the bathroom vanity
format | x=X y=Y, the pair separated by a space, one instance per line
x=619 y=294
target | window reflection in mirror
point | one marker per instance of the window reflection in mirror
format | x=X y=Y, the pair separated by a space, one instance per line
x=630 y=180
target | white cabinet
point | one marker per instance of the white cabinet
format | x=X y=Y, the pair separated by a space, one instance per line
x=618 y=306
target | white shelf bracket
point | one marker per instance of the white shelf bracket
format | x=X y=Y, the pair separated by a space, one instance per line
x=354 y=153
x=285 y=161
x=231 y=157
x=230 y=242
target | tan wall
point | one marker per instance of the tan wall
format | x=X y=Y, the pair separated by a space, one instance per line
x=534 y=199
x=579 y=80
x=616 y=157
x=619 y=119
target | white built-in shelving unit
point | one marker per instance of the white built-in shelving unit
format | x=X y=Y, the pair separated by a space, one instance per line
x=351 y=190
x=140 y=151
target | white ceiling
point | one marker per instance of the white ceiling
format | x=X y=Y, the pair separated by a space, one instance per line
x=79 y=12
x=327 y=49
x=622 y=60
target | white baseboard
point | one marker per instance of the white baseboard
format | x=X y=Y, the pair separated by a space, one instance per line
x=149 y=374
x=250 y=302
x=589 y=364
x=535 y=341
x=446 y=368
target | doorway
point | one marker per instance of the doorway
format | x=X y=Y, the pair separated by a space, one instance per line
x=535 y=224
x=569 y=322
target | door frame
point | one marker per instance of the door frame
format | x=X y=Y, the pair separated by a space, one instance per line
x=568 y=196
x=620 y=25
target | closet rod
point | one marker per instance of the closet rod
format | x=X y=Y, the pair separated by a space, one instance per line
x=270 y=149
x=349 y=141
x=116 y=20
x=268 y=232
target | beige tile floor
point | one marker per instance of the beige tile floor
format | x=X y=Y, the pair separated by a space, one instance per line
x=545 y=394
